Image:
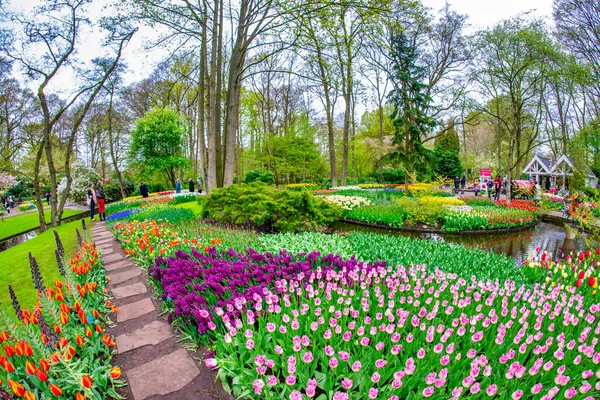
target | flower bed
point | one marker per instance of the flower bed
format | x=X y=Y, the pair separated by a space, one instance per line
x=59 y=348
x=484 y=218
x=397 y=333
x=527 y=205
x=347 y=202
x=576 y=271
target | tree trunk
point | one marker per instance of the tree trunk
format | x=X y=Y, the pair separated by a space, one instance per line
x=218 y=100
x=111 y=145
x=38 y=192
x=212 y=105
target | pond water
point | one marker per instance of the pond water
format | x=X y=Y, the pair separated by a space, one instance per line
x=12 y=242
x=518 y=245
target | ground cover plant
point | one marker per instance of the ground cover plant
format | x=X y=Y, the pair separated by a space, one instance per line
x=58 y=348
x=15 y=224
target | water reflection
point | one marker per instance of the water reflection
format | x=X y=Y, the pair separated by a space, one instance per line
x=7 y=244
x=519 y=245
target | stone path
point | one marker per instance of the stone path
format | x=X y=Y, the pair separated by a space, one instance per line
x=152 y=361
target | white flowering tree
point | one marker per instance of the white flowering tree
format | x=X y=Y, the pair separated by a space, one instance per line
x=6 y=182
x=82 y=177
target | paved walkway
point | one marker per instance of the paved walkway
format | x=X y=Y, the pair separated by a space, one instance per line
x=152 y=361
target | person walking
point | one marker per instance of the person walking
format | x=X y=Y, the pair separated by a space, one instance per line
x=199 y=185
x=144 y=190
x=489 y=185
x=92 y=201
x=191 y=185
x=456 y=184
x=101 y=197
x=12 y=201
x=463 y=183
x=178 y=186
x=498 y=187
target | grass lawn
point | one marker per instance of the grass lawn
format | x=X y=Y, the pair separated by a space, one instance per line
x=15 y=262
x=194 y=206
x=23 y=222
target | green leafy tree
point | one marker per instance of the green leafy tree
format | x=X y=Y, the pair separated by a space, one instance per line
x=157 y=143
x=411 y=102
x=448 y=139
x=447 y=163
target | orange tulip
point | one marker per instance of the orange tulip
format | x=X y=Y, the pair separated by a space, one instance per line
x=69 y=353
x=115 y=373
x=30 y=368
x=99 y=328
x=76 y=305
x=4 y=336
x=19 y=349
x=17 y=388
x=63 y=342
x=27 y=350
x=44 y=366
x=64 y=307
x=106 y=339
x=29 y=396
x=57 y=329
x=56 y=390
x=64 y=318
x=8 y=366
x=42 y=376
x=95 y=313
x=86 y=381
x=79 y=396
x=88 y=331
x=58 y=284
x=79 y=340
x=9 y=350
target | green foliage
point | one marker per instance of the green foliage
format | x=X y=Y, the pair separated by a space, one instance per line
x=157 y=143
x=389 y=175
x=393 y=215
x=447 y=163
x=448 y=140
x=256 y=175
x=167 y=213
x=184 y=199
x=399 y=250
x=417 y=213
x=267 y=207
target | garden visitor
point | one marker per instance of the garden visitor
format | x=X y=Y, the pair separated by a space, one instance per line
x=489 y=185
x=476 y=189
x=6 y=205
x=191 y=187
x=92 y=201
x=12 y=201
x=456 y=184
x=537 y=196
x=178 y=186
x=463 y=182
x=143 y=190
x=47 y=197
x=498 y=187
x=101 y=198
x=199 y=185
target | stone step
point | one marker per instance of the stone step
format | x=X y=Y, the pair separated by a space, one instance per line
x=118 y=265
x=120 y=277
x=151 y=334
x=113 y=257
x=107 y=251
x=134 y=310
x=130 y=290
x=162 y=376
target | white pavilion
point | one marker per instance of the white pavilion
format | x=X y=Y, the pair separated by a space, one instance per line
x=549 y=173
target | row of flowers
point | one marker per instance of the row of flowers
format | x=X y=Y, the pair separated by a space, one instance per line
x=58 y=349
x=526 y=205
x=347 y=202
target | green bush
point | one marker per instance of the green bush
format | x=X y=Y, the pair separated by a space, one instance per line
x=272 y=209
x=171 y=214
x=112 y=191
x=256 y=175
x=184 y=199
x=391 y=215
x=389 y=175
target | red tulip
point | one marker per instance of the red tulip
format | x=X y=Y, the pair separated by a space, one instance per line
x=27 y=350
x=44 y=366
x=115 y=373
x=9 y=350
x=17 y=388
x=56 y=390
x=580 y=255
x=588 y=253
x=86 y=381
x=30 y=368
x=79 y=396
x=591 y=281
x=8 y=366
x=79 y=340
x=578 y=283
x=581 y=274
x=29 y=396
x=42 y=376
